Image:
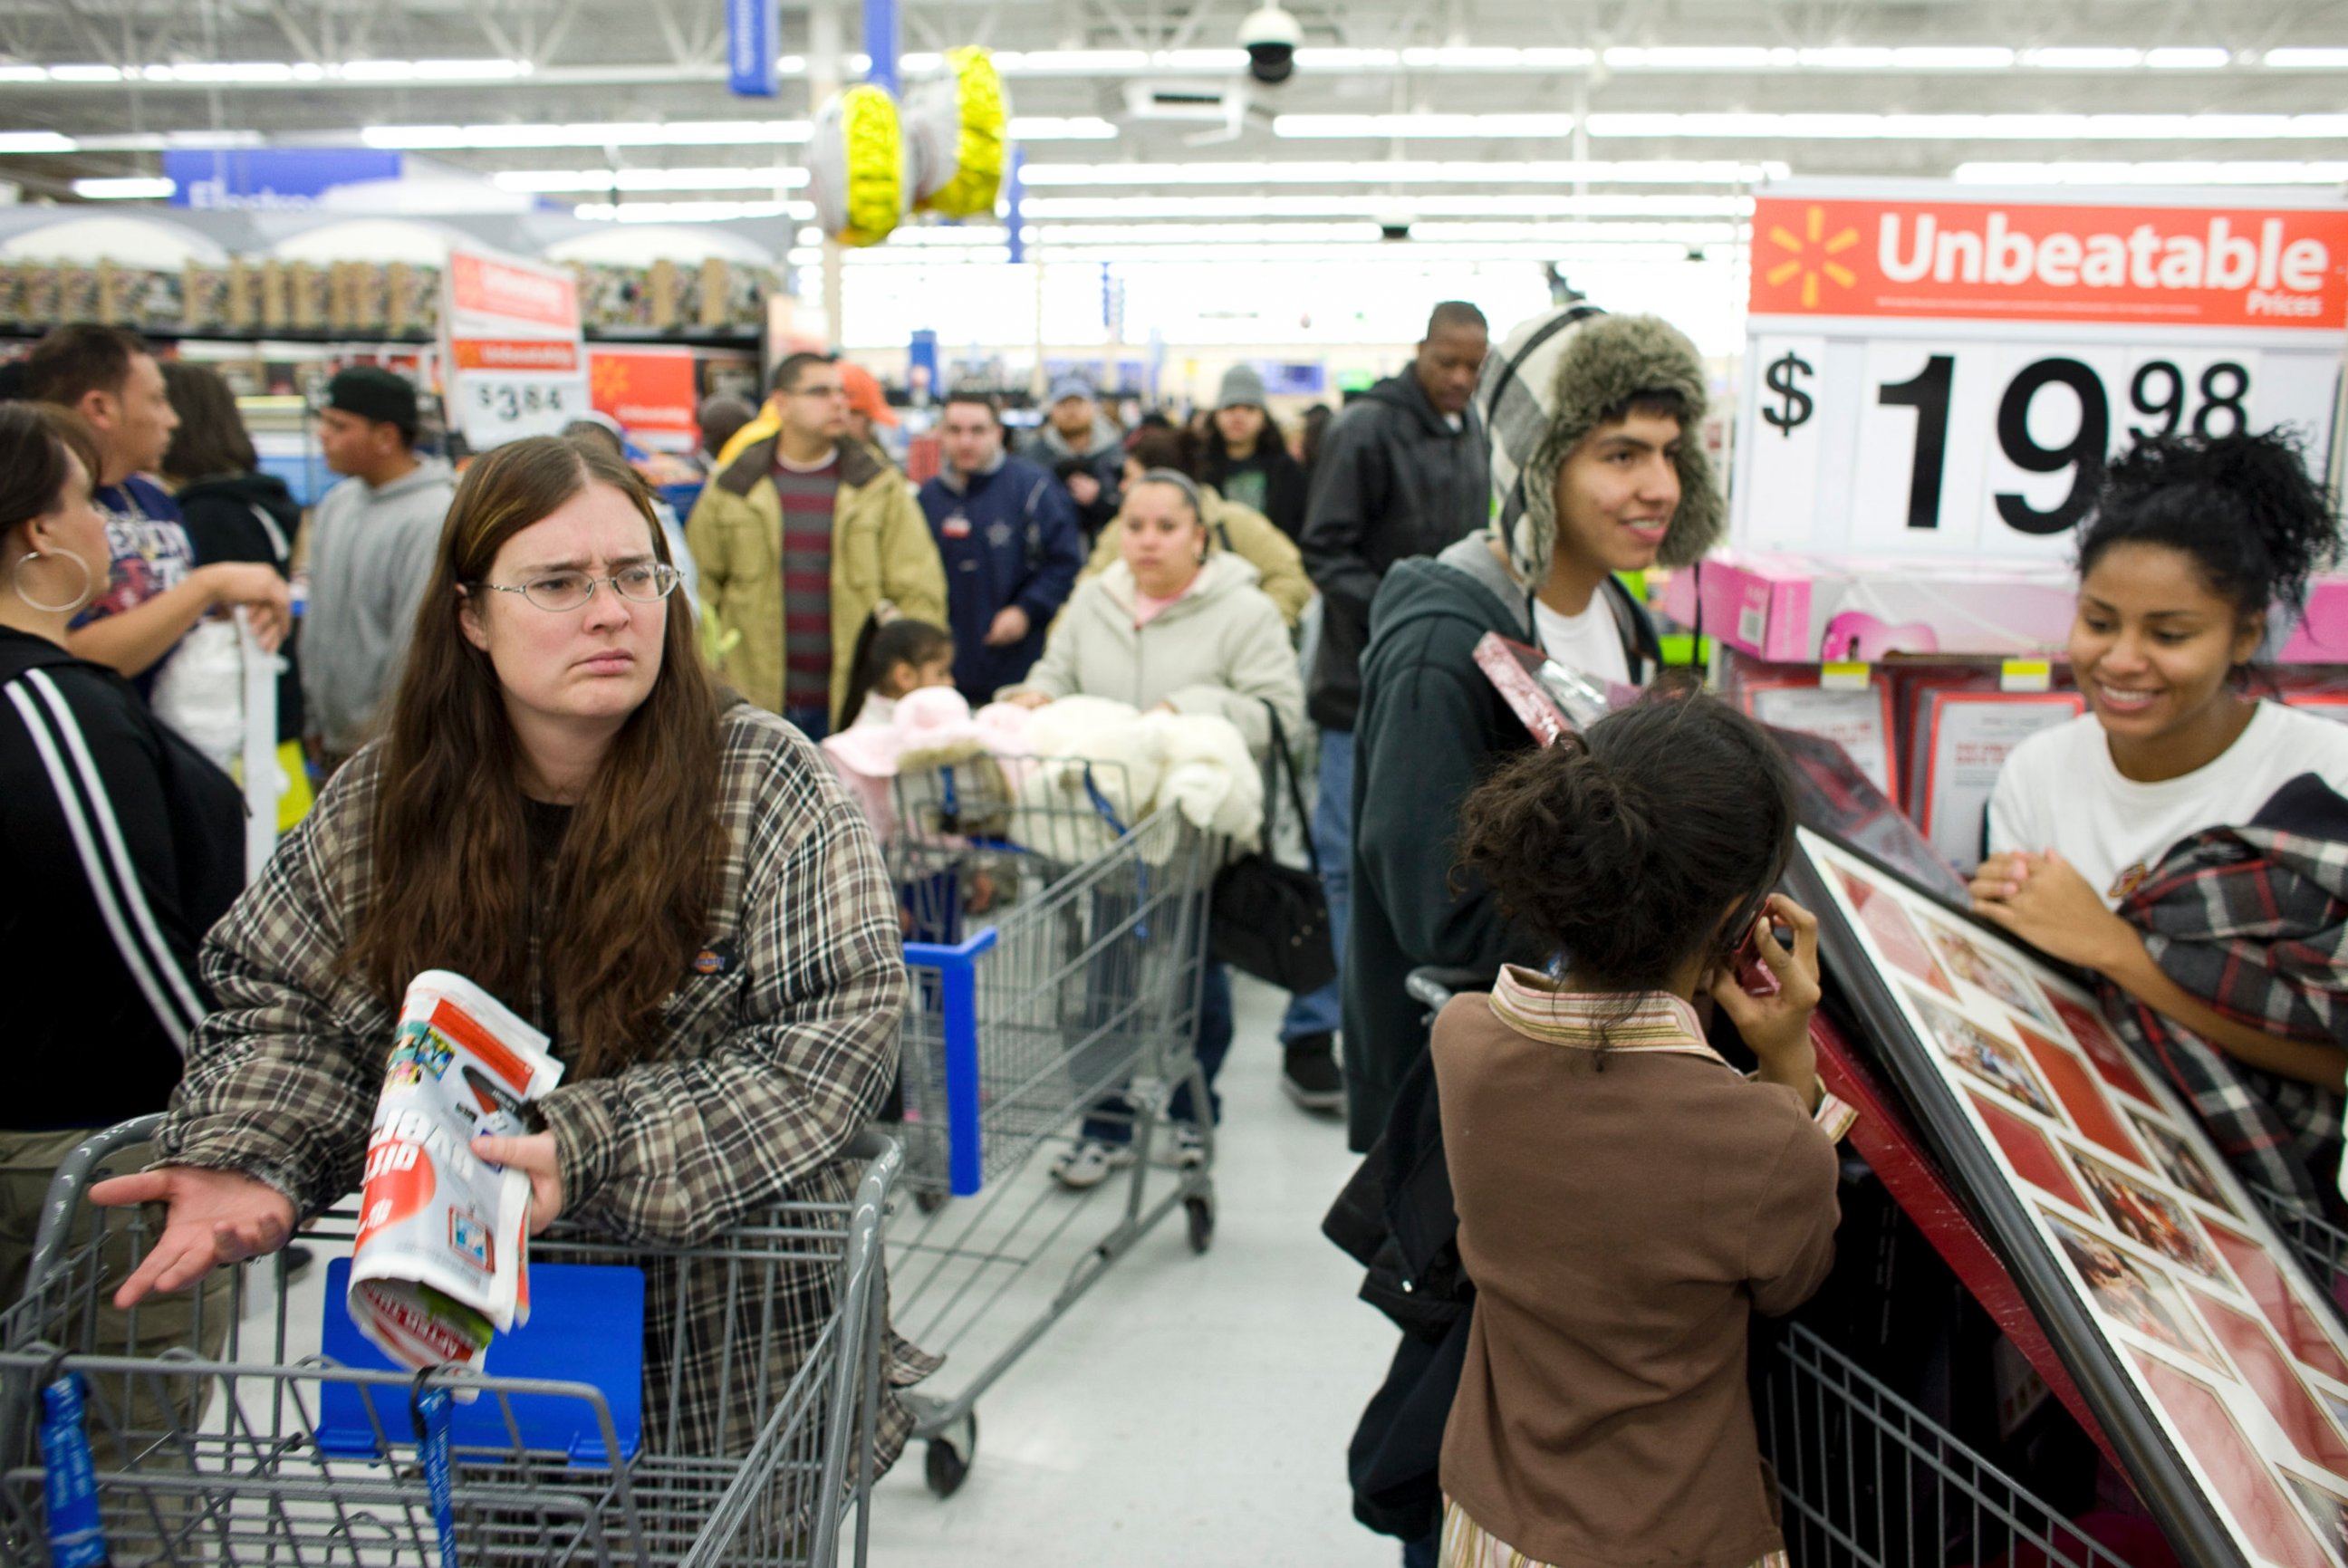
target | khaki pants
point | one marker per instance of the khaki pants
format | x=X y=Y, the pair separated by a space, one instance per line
x=135 y=1422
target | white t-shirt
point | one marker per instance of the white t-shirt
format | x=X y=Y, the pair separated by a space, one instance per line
x=2060 y=790
x=1590 y=642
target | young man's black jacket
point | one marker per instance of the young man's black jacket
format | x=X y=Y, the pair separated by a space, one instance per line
x=120 y=845
x=1394 y=481
x=1430 y=728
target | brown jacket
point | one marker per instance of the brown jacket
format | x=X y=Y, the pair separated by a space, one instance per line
x=882 y=553
x=1620 y=1223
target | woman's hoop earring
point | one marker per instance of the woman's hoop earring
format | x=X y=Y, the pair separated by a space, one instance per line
x=17 y=581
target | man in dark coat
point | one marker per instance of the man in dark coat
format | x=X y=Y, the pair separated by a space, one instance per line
x=1402 y=473
x=1596 y=470
x=1008 y=533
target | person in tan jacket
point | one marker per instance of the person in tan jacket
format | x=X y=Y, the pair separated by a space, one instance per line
x=1240 y=529
x=801 y=536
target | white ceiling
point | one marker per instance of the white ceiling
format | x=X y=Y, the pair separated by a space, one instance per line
x=1614 y=113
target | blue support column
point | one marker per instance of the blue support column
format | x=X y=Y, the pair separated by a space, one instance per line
x=881 y=43
x=1014 y=186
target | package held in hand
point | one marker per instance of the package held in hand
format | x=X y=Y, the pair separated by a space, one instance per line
x=439 y=1261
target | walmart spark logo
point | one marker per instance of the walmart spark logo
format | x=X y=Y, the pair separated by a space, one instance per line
x=1809 y=257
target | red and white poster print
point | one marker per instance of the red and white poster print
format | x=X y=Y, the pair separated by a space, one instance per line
x=2200 y=1305
x=516 y=356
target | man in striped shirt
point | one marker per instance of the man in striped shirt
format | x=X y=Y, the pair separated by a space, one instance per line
x=802 y=540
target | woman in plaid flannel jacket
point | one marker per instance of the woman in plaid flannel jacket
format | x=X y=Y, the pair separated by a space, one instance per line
x=702 y=925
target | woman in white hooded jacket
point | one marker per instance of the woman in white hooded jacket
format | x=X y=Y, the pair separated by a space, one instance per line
x=1178 y=625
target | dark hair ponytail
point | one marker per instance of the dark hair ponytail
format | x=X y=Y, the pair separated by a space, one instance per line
x=881 y=648
x=2241 y=506
x=1625 y=848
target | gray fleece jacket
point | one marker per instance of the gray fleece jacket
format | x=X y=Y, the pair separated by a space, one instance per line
x=371 y=551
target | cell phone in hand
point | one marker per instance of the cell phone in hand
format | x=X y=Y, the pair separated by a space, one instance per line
x=1753 y=975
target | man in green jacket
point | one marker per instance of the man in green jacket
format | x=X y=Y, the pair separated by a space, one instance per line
x=801 y=540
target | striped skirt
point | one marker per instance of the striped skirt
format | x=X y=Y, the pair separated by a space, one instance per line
x=1468 y=1544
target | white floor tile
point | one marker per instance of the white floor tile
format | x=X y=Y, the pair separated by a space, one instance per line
x=1190 y=1411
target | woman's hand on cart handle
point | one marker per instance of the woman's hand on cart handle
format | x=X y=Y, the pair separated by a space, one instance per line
x=534 y=1155
x=212 y=1218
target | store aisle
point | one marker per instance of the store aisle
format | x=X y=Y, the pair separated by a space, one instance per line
x=1190 y=1411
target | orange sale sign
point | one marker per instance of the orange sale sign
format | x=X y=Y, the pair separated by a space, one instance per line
x=2003 y=260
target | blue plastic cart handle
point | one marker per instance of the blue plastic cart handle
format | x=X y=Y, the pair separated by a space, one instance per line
x=957 y=968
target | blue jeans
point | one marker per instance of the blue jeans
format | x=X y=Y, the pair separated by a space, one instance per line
x=815 y=723
x=1420 y=1554
x=1321 y=1012
x=1115 y=1125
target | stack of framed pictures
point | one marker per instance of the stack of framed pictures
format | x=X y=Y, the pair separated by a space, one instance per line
x=2215 y=1364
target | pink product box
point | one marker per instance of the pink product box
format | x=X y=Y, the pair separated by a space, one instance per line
x=1797 y=609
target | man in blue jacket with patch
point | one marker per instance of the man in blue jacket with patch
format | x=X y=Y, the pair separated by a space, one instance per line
x=1006 y=531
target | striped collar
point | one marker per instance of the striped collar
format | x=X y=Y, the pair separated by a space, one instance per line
x=1532 y=1005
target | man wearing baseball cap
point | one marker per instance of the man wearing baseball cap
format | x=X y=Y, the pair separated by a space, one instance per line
x=371 y=548
x=868 y=407
x=1083 y=448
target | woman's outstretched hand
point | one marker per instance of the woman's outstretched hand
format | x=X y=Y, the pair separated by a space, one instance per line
x=212 y=1218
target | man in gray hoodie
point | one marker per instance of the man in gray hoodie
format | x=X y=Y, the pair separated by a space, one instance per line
x=1084 y=450
x=371 y=551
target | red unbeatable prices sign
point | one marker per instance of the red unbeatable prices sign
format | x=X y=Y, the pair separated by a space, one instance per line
x=1937 y=370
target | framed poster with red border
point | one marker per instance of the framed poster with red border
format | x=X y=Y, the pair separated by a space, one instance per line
x=2213 y=1365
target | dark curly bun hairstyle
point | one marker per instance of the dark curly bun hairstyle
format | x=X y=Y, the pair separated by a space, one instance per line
x=1627 y=847
x=2241 y=506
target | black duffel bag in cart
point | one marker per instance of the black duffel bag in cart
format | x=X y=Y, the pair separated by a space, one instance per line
x=243 y=1443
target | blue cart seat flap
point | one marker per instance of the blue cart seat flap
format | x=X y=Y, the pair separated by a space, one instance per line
x=586 y=1326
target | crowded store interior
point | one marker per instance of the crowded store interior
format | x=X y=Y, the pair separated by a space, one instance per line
x=946 y=785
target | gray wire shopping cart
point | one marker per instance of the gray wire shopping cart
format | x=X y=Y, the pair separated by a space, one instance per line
x=240 y=1445
x=1077 y=1005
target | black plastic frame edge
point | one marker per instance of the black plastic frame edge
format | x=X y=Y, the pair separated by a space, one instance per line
x=2155 y=1468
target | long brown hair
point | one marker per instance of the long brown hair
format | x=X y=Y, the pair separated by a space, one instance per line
x=211 y=442
x=639 y=863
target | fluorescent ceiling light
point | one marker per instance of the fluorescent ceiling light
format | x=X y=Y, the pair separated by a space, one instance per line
x=484 y=70
x=2307 y=59
x=84 y=74
x=1716 y=57
x=2082 y=60
x=690 y=211
x=1979 y=127
x=1048 y=128
x=569 y=180
x=2188 y=59
x=1374 y=205
x=246 y=71
x=1037 y=176
x=126 y=189
x=23 y=73
x=2171 y=173
x=1071 y=62
x=1325 y=126
x=626 y=133
x=35 y=141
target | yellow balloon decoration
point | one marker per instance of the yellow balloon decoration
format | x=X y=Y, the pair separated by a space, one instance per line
x=856 y=166
x=959 y=123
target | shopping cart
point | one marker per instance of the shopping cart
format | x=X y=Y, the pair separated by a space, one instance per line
x=1868 y=1480
x=226 y=1449
x=1078 y=1002
x=2321 y=1245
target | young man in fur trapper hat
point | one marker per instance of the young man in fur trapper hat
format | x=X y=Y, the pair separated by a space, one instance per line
x=1597 y=469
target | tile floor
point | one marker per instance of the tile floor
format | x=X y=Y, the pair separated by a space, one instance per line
x=1190 y=1411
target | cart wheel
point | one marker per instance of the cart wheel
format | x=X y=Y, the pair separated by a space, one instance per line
x=947 y=1464
x=1202 y=1214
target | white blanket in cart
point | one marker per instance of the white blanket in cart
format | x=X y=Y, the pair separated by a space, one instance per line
x=1137 y=762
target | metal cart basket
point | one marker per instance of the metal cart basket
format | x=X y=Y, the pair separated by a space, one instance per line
x=1078 y=1004
x=211 y=1451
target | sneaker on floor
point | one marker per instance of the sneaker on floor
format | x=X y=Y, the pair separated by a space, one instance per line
x=1088 y=1164
x=1189 y=1147
x=1310 y=1077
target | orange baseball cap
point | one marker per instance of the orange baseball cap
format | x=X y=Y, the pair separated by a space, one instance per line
x=864 y=394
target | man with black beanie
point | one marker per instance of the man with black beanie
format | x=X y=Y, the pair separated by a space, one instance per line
x=371 y=551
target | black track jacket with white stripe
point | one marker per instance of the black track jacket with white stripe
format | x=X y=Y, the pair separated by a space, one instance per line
x=120 y=844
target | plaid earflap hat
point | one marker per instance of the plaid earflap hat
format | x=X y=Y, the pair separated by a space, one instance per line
x=1551 y=382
